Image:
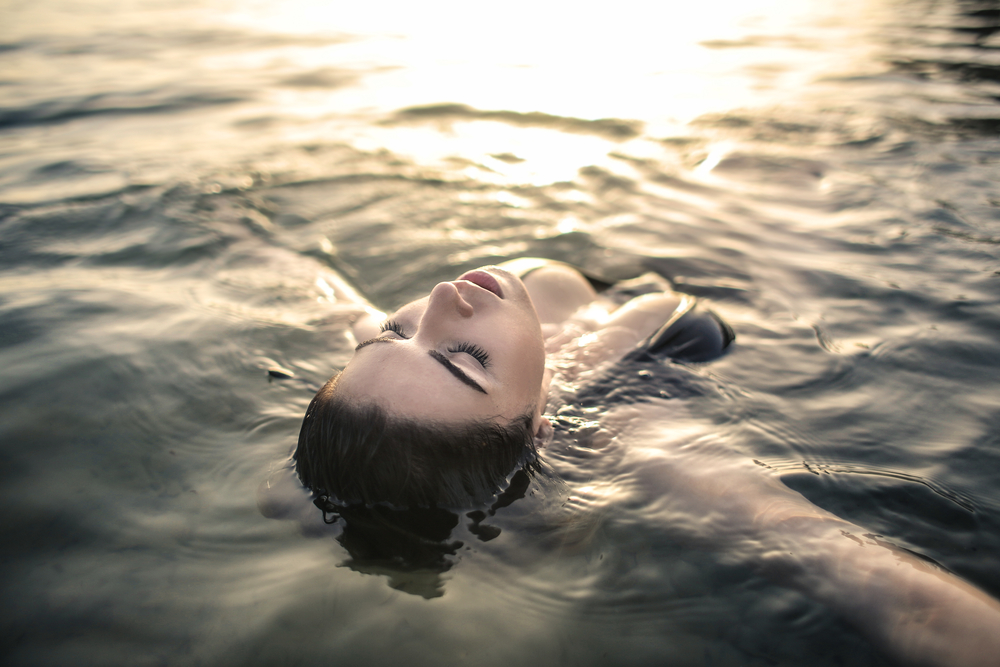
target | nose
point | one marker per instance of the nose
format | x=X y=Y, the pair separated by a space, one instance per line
x=444 y=304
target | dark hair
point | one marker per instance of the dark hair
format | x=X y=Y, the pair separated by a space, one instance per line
x=358 y=454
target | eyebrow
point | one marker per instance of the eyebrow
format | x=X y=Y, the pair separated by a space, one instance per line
x=438 y=357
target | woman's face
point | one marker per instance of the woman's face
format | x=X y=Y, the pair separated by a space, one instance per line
x=470 y=350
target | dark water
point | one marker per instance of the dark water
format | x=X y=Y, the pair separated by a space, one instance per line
x=176 y=179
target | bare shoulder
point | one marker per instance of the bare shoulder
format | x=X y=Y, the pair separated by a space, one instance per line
x=558 y=291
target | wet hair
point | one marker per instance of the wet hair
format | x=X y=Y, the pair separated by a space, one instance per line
x=352 y=454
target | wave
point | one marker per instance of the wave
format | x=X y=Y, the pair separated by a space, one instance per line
x=108 y=104
x=615 y=129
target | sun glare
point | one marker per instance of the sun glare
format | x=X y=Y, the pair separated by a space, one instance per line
x=663 y=64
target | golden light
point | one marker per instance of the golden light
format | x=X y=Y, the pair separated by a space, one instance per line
x=659 y=64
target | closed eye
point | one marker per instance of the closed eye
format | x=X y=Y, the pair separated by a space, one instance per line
x=393 y=326
x=476 y=352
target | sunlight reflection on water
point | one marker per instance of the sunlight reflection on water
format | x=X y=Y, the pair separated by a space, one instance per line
x=663 y=63
x=281 y=73
x=648 y=60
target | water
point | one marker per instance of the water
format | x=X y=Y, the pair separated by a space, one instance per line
x=174 y=177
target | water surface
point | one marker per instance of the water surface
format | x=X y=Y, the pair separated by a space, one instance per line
x=177 y=178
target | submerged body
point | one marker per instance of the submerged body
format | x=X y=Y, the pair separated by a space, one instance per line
x=498 y=347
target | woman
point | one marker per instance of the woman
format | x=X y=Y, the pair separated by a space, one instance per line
x=442 y=401
x=445 y=398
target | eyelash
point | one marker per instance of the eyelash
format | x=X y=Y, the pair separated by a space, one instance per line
x=476 y=352
x=393 y=326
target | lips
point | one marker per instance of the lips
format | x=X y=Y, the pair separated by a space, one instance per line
x=484 y=280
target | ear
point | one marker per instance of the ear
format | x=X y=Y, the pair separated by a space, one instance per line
x=543 y=392
x=543 y=432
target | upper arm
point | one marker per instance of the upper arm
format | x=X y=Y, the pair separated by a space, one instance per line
x=644 y=314
x=367 y=325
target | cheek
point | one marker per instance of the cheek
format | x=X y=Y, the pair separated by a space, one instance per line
x=527 y=363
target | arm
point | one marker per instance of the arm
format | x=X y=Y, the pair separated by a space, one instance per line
x=912 y=610
x=601 y=333
x=916 y=612
x=346 y=302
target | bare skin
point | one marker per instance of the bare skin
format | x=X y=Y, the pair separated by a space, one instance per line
x=915 y=612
